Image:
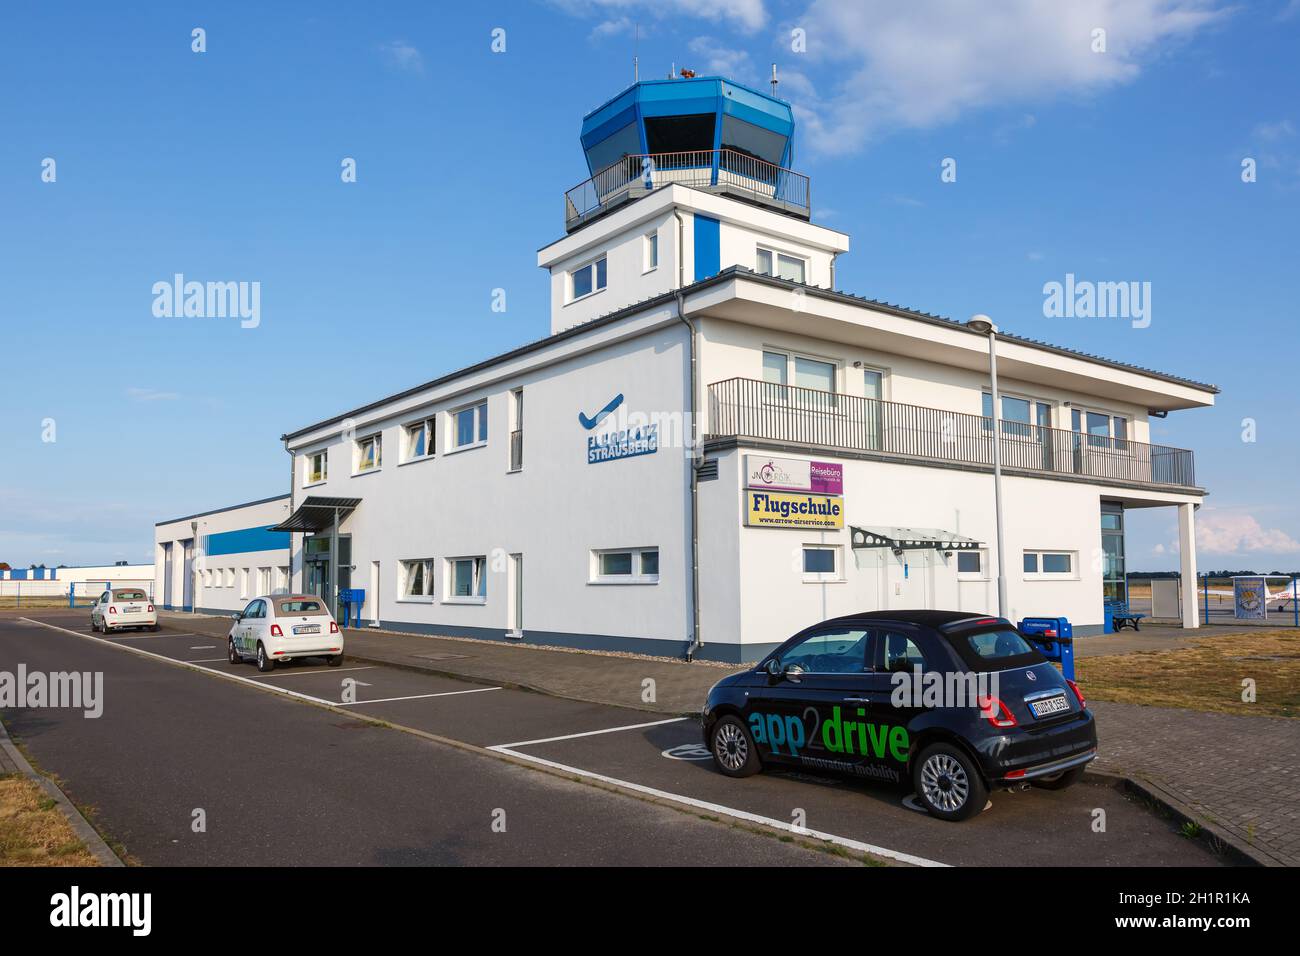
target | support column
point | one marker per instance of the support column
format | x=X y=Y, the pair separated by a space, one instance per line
x=1187 y=559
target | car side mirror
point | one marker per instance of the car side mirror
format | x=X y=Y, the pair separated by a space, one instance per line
x=236 y=617
x=792 y=672
x=773 y=667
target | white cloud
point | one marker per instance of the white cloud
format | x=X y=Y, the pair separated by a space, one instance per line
x=1271 y=132
x=151 y=395
x=924 y=63
x=1235 y=532
x=402 y=56
x=746 y=15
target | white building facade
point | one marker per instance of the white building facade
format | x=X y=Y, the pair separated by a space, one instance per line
x=214 y=562
x=712 y=449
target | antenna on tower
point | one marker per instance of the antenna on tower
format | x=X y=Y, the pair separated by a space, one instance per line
x=774 y=79
x=636 y=43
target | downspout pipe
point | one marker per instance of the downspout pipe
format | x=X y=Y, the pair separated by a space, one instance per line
x=293 y=474
x=697 y=640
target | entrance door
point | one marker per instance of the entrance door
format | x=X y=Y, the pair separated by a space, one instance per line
x=910 y=582
x=187 y=584
x=167 y=575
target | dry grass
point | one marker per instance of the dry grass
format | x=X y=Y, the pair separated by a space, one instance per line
x=1206 y=676
x=33 y=831
x=11 y=601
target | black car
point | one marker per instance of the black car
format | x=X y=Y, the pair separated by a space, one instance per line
x=957 y=704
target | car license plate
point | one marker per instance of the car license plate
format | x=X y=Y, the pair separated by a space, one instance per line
x=307 y=629
x=1049 y=705
x=130 y=610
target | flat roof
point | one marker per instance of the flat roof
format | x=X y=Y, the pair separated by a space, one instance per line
x=727 y=274
x=217 y=511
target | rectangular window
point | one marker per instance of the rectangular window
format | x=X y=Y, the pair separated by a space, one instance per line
x=969 y=562
x=369 y=453
x=763 y=262
x=820 y=563
x=317 y=467
x=243 y=582
x=809 y=373
x=651 y=251
x=417 y=578
x=1049 y=563
x=517 y=429
x=587 y=279
x=625 y=566
x=770 y=262
x=470 y=426
x=419 y=440
x=774 y=367
x=468 y=582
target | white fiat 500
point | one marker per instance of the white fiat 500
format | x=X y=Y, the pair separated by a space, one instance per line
x=280 y=627
x=120 y=608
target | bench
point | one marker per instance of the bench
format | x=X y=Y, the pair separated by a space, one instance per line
x=1121 y=617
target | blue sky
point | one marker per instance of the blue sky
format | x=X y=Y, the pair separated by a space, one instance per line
x=224 y=165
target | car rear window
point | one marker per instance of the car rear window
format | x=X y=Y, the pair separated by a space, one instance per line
x=299 y=606
x=994 y=650
x=131 y=594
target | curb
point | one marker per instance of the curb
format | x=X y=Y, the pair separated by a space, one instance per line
x=1171 y=803
x=85 y=832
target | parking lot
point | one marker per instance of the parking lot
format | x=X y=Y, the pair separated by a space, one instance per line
x=662 y=759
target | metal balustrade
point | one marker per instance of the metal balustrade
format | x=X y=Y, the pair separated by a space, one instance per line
x=748 y=408
x=723 y=170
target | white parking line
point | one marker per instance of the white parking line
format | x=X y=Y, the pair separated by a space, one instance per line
x=701 y=804
x=589 y=733
x=717 y=808
x=206 y=660
x=449 y=693
x=318 y=670
x=201 y=647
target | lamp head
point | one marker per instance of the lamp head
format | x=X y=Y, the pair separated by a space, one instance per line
x=981 y=323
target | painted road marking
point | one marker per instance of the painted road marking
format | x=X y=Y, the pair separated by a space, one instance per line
x=206 y=660
x=589 y=733
x=449 y=693
x=319 y=670
x=846 y=842
x=201 y=647
x=745 y=815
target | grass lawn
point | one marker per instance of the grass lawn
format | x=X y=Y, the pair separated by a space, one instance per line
x=33 y=831
x=1205 y=676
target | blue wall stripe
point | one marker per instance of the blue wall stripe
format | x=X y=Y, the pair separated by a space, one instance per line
x=247 y=539
x=708 y=247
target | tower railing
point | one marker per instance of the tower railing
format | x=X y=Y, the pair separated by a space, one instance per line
x=720 y=170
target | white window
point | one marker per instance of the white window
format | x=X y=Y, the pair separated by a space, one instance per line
x=263 y=580
x=1049 y=564
x=229 y=575
x=1103 y=430
x=370 y=453
x=970 y=564
x=780 y=368
x=243 y=582
x=787 y=266
x=651 y=243
x=516 y=429
x=821 y=563
x=317 y=467
x=418 y=437
x=625 y=566
x=417 y=579
x=1024 y=418
x=587 y=279
x=469 y=426
x=467 y=580
x=282 y=580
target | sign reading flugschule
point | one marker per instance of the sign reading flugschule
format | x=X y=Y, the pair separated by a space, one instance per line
x=780 y=509
x=794 y=474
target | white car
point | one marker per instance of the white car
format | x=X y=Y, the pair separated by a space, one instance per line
x=120 y=608
x=280 y=627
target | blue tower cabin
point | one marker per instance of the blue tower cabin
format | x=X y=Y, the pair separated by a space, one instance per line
x=705 y=132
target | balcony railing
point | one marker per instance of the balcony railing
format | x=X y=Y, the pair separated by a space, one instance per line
x=720 y=170
x=748 y=408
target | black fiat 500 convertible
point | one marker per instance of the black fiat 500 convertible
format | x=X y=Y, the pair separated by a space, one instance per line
x=957 y=704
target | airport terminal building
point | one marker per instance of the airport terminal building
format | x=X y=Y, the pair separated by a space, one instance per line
x=713 y=447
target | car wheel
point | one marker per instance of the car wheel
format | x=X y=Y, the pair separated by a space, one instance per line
x=232 y=652
x=948 y=783
x=264 y=663
x=1059 y=781
x=335 y=660
x=94 y=627
x=733 y=748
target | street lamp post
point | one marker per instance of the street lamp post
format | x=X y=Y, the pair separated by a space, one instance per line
x=984 y=325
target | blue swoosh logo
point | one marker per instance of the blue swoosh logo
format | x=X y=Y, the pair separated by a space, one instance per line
x=600 y=416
